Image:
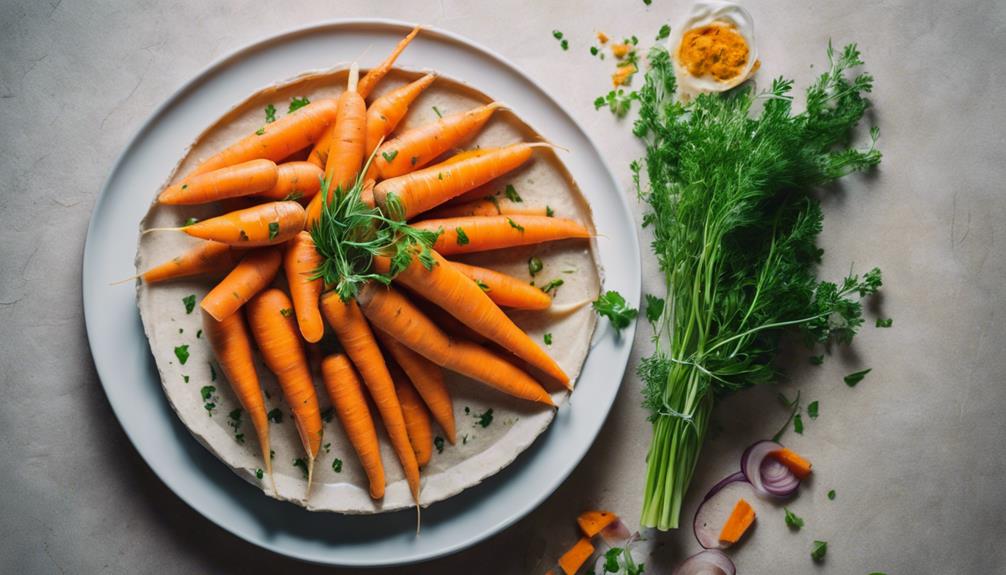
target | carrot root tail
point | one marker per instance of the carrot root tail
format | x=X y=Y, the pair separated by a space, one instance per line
x=148 y=230
x=129 y=279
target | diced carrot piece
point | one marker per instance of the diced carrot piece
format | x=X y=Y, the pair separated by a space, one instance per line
x=593 y=522
x=620 y=50
x=572 y=560
x=797 y=464
x=737 y=524
x=602 y=37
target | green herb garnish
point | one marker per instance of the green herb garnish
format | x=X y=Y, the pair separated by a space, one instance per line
x=515 y=225
x=831 y=495
x=297 y=103
x=301 y=464
x=207 y=391
x=389 y=156
x=439 y=115
x=326 y=415
x=259 y=474
x=654 y=308
x=664 y=32
x=190 y=303
x=534 y=265
x=798 y=424
x=260 y=131
x=286 y=312
x=812 y=408
x=337 y=465
x=462 y=238
x=270 y=113
x=275 y=415
x=438 y=442
x=485 y=419
x=613 y=306
x=618 y=101
x=547 y=338
x=482 y=285
x=549 y=212
x=511 y=194
x=885 y=322
x=553 y=285
x=853 y=378
x=793 y=520
x=182 y=353
x=818 y=550
x=273 y=230
x=189 y=222
x=557 y=34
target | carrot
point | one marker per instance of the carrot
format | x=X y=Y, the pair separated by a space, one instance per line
x=425 y=189
x=484 y=207
x=253 y=274
x=505 y=290
x=393 y=313
x=206 y=257
x=346 y=392
x=367 y=193
x=349 y=138
x=445 y=321
x=375 y=75
x=419 y=146
x=386 y=112
x=428 y=379
x=498 y=232
x=738 y=523
x=262 y=225
x=300 y=261
x=358 y=341
x=295 y=181
x=797 y=464
x=447 y=287
x=417 y=419
x=319 y=152
x=231 y=347
x=593 y=522
x=245 y=179
x=572 y=560
x=275 y=332
x=277 y=140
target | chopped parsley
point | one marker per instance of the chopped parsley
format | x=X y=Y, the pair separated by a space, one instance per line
x=885 y=322
x=831 y=495
x=485 y=419
x=389 y=156
x=564 y=44
x=654 y=308
x=549 y=211
x=851 y=380
x=511 y=194
x=293 y=196
x=617 y=101
x=337 y=465
x=327 y=447
x=464 y=439
x=664 y=32
x=462 y=238
x=273 y=230
x=209 y=406
x=286 y=312
x=327 y=415
x=199 y=334
x=259 y=474
x=270 y=114
x=534 y=265
x=812 y=409
x=553 y=285
x=557 y=34
x=189 y=222
x=301 y=464
x=547 y=338
x=275 y=416
x=260 y=131
x=182 y=353
x=207 y=392
x=515 y=225
x=482 y=285
x=817 y=359
x=613 y=306
x=818 y=550
x=213 y=373
x=439 y=115
x=594 y=50
x=438 y=442
x=185 y=378
x=793 y=520
x=234 y=419
x=297 y=103
x=798 y=424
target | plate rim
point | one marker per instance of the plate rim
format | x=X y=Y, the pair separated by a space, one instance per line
x=263 y=43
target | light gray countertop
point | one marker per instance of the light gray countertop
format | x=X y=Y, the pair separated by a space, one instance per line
x=915 y=452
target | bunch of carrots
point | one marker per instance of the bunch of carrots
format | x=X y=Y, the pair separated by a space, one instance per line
x=366 y=256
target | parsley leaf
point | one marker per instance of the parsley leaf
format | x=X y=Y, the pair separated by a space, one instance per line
x=547 y=338
x=511 y=194
x=482 y=285
x=664 y=32
x=885 y=322
x=553 y=285
x=206 y=392
x=182 y=353
x=515 y=225
x=337 y=465
x=618 y=101
x=812 y=408
x=549 y=212
x=818 y=550
x=390 y=156
x=613 y=306
x=853 y=378
x=189 y=222
x=793 y=520
x=439 y=115
x=270 y=114
x=485 y=419
x=260 y=131
x=190 y=303
x=301 y=463
x=654 y=308
x=297 y=103
x=273 y=230
x=831 y=495
x=259 y=474
x=462 y=236
x=534 y=265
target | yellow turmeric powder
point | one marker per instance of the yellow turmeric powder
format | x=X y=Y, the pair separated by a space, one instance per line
x=716 y=50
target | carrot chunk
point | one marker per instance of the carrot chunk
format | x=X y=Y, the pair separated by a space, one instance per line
x=797 y=464
x=738 y=523
x=572 y=560
x=593 y=522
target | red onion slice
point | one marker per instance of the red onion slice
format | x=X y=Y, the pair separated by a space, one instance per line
x=708 y=562
x=616 y=534
x=767 y=475
x=716 y=508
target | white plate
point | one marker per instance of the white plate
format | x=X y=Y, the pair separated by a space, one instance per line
x=130 y=379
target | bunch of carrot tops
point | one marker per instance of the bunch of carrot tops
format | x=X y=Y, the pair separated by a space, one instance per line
x=380 y=215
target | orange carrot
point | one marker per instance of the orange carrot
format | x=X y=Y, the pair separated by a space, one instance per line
x=417 y=419
x=253 y=274
x=358 y=341
x=231 y=347
x=273 y=327
x=319 y=152
x=346 y=392
x=375 y=75
x=245 y=179
x=206 y=257
x=797 y=464
x=277 y=140
x=498 y=232
x=593 y=522
x=485 y=207
x=391 y=312
x=572 y=560
x=419 y=146
x=445 y=321
x=428 y=379
x=387 y=111
x=738 y=523
x=505 y=290
x=295 y=181
x=262 y=225
x=447 y=287
x=425 y=189
x=300 y=261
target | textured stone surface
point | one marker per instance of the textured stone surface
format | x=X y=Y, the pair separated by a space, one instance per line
x=915 y=452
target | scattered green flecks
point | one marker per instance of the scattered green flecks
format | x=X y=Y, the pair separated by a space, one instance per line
x=515 y=225
x=793 y=520
x=293 y=196
x=189 y=222
x=482 y=285
x=260 y=131
x=239 y=437
x=337 y=465
x=207 y=391
x=213 y=373
x=190 y=303
x=548 y=338
x=301 y=464
x=273 y=230
x=185 y=378
x=437 y=112
x=199 y=334
x=552 y=285
x=484 y=419
x=818 y=550
x=438 y=442
x=272 y=454
x=798 y=424
x=549 y=212
x=389 y=156
x=182 y=353
x=234 y=419
x=564 y=44
x=557 y=34
x=511 y=194
x=885 y=322
x=297 y=103
x=286 y=312
x=462 y=236
x=467 y=410
x=327 y=415
x=534 y=265
x=851 y=380
x=270 y=114
x=831 y=495
x=259 y=474
x=464 y=439
x=812 y=409
x=275 y=415
x=327 y=447
x=664 y=32
x=613 y=306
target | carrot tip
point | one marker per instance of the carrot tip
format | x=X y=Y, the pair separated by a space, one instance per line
x=354 y=77
x=148 y=230
x=310 y=475
x=129 y=279
x=568 y=308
